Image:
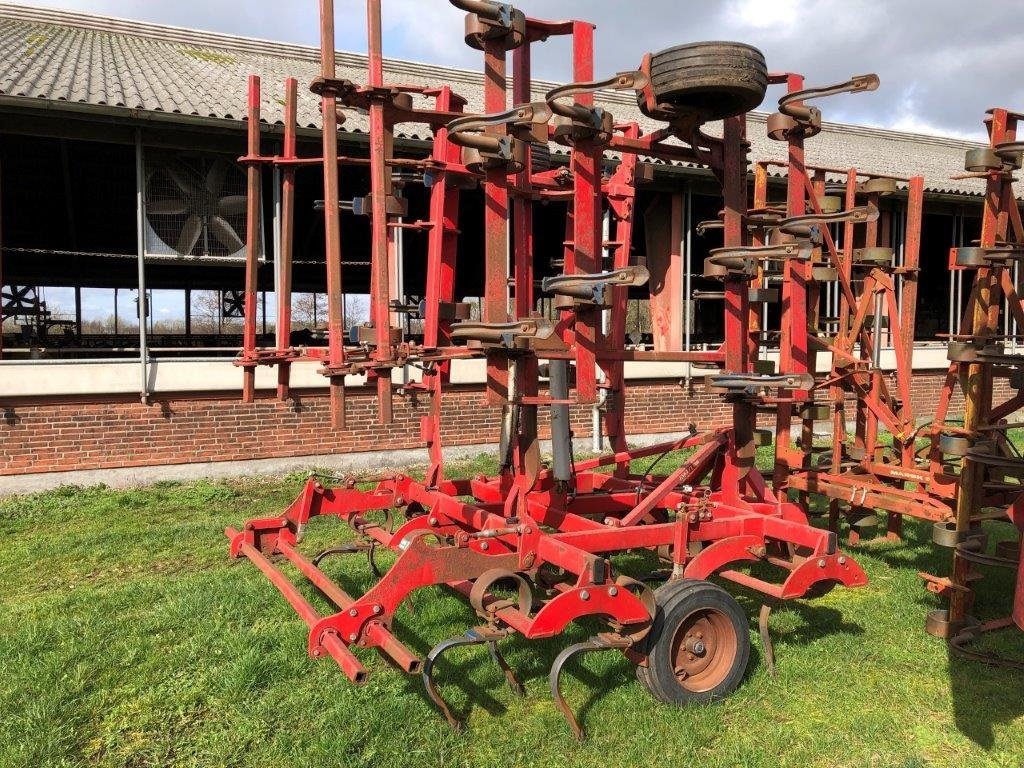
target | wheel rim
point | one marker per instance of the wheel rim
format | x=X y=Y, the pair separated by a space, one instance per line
x=704 y=649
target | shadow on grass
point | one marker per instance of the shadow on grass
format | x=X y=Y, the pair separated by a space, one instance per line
x=986 y=697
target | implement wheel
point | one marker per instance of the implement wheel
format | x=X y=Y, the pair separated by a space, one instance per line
x=699 y=646
x=712 y=80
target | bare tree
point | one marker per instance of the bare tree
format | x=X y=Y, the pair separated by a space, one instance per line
x=206 y=311
x=309 y=310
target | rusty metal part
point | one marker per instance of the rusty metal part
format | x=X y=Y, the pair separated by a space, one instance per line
x=575 y=121
x=490 y=23
x=477 y=636
x=595 y=289
x=602 y=642
x=794 y=118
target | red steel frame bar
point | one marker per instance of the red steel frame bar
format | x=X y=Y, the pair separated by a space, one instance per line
x=287 y=234
x=332 y=220
x=252 y=239
x=524 y=519
x=381 y=139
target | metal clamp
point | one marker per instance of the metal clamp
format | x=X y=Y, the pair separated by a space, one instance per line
x=749 y=385
x=593 y=289
x=578 y=121
x=487 y=150
x=796 y=119
x=741 y=261
x=492 y=22
x=503 y=334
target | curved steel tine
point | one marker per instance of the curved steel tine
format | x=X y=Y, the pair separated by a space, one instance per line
x=343 y=549
x=766 y=638
x=554 y=679
x=371 y=553
x=510 y=675
x=470 y=638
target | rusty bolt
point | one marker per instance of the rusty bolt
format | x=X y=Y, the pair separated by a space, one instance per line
x=353 y=612
x=248 y=526
x=529 y=560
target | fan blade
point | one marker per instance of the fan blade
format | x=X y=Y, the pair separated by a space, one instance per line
x=189 y=235
x=180 y=178
x=215 y=176
x=168 y=207
x=232 y=205
x=225 y=234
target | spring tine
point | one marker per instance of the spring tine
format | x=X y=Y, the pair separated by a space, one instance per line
x=554 y=679
x=513 y=681
x=766 y=638
x=470 y=638
x=371 y=558
x=343 y=549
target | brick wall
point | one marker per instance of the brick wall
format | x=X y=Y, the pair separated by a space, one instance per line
x=175 y=430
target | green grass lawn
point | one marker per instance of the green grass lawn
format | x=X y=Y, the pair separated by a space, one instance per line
x=128 y=638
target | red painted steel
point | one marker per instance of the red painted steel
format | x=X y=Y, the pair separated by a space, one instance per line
x=550 y=531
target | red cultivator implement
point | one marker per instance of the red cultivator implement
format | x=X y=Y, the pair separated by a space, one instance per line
x=530 y=548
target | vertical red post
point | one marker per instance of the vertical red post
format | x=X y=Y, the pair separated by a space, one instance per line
x=585 y=165
x=522 y=207
x=332 y=219
x=287 y=244
x=442 y=243
x=796 y=276
x=495 y=309
x=380 y=189
x=982 y=321
x=252 y=240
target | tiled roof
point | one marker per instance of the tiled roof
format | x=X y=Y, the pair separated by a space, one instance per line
x=62 y=56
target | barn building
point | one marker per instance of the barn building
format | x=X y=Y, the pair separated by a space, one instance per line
x=118 y=178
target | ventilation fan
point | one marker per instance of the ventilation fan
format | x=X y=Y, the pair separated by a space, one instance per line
x=195 y=207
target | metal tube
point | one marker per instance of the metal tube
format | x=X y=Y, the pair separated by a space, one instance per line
x=140 y=196
x=561 y=434
x=687 y=277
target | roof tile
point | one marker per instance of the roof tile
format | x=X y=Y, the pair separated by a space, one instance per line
x=76 y=57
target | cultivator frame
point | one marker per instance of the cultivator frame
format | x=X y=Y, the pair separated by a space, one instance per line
x=530 y=547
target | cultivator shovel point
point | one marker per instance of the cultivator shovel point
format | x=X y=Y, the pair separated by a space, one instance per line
x=531 y=549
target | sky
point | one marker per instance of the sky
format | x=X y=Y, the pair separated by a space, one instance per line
x=942 y=63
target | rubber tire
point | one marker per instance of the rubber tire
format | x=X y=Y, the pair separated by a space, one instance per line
x=714 y=80
x=675 y=600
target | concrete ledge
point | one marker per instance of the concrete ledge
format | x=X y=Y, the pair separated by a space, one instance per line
x=345 y=463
